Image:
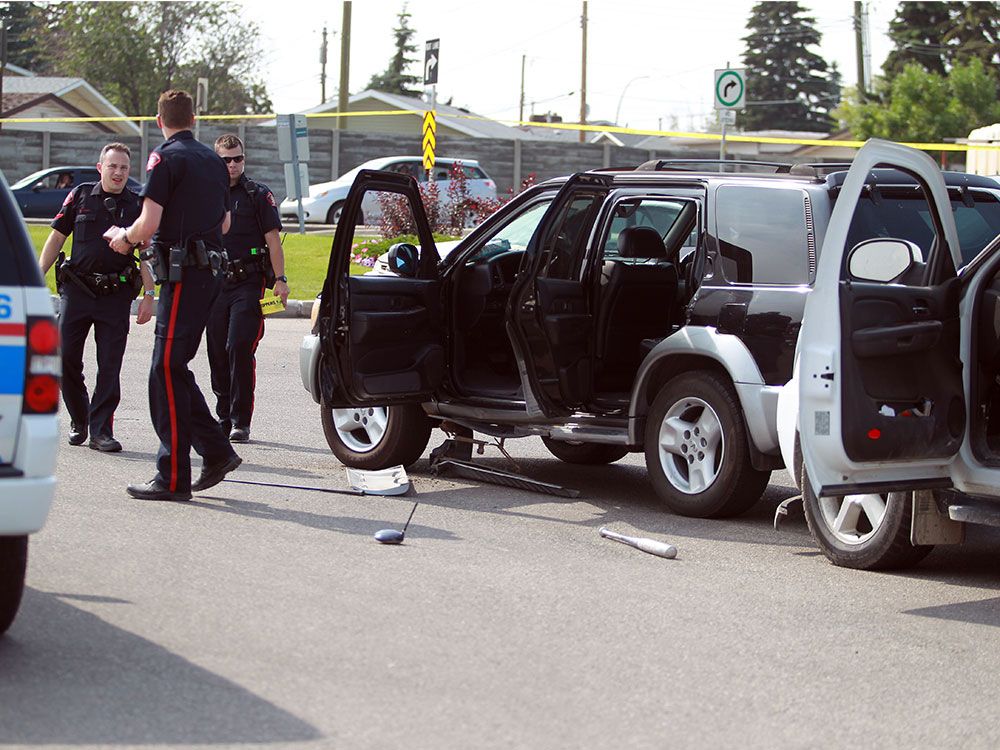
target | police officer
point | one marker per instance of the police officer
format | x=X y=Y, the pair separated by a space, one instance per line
x=237 y=323
x=97 y=286
x=185 y=212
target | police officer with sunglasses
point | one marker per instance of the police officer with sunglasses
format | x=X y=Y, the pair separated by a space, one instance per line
x=255 y=263
x=96 y=286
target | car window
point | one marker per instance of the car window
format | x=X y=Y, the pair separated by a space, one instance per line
x=764 y=235
x=515 y=234
x=411 y=168
x=564 y=247
x=640 y=212
x=474 y=173
x=86 y=175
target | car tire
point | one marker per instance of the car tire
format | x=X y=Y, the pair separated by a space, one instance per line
x=13 y=566
x=697 y=448
x=333 y=215
x=873 y=534
x=592 y=454
x=376 y=437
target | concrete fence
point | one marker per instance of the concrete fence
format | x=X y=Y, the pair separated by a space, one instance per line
x=332 y=153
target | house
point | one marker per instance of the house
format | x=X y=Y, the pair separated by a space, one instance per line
x=26 y=95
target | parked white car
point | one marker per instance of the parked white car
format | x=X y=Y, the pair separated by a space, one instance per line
x=29 y=397
x=326 y=199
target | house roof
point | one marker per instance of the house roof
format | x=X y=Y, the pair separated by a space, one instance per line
x=458 y=119
x=75 y=93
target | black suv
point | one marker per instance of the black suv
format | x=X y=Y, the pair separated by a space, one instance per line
x=652 y=309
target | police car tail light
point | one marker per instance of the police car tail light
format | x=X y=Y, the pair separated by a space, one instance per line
x=41 y=385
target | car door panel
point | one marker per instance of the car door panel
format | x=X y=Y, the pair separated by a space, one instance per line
x=881 y=394
x=568 y=325
x=381 y=337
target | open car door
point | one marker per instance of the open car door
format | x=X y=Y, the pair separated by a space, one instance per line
x=549 y=317
x=881 y=399
x=381 y=337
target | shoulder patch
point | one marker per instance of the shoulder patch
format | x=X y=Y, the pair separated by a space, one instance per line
x=69 y=198
x=270 y=199
x=154 y=159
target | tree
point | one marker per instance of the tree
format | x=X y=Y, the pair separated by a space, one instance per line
x=937 y=35
x=395 y=79
x=789 y=86
x=926 y=107
x=20 y=19
x=132 y=51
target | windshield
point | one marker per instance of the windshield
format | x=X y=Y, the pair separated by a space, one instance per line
x=908 y=218
x=514 y=235
x=31 y=179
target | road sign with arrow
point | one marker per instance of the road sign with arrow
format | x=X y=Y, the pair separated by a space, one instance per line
x=429 y=142
x=730 y=88
x=431 y=56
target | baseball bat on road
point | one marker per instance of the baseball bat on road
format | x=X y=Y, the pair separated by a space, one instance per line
x=653 y=547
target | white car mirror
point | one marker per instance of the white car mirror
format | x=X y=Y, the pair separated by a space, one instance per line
x=882 y=260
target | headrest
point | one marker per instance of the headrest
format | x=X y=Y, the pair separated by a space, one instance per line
x=640 y=242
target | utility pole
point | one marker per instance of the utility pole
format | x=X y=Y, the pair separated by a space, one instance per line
x=520 y=111
x=583 y=74
x=322 y=68
x=859 y=45
x=345 y=63
x=3 y=62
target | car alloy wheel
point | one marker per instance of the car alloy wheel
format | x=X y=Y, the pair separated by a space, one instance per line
x=691 y=445
x=853 y=519
x=361 y=429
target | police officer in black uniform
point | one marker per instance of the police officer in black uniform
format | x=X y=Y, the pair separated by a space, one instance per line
x=97 y=286
x=236 y=326
x=185 y=212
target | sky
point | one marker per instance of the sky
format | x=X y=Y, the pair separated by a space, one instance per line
x=650 y=62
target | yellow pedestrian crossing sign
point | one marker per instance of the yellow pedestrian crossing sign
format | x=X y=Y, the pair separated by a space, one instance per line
x=429 y=139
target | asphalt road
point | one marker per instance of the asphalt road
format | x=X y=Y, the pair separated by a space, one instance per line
x=268 y=617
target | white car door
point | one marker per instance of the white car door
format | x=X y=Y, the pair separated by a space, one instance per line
x=882 y=403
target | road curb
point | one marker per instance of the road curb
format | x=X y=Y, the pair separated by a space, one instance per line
x=296 y=308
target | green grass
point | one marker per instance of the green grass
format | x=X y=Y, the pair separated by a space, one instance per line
x=306 y=257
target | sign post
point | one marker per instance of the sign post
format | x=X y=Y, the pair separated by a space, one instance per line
x=432 y=56
x=293 y=151
x=730 y=95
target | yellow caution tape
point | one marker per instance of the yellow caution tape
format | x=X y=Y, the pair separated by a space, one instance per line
x=578 y=127
x=269 y=305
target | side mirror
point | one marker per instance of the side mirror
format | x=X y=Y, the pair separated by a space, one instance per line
x=404 y=259
x=882 y=260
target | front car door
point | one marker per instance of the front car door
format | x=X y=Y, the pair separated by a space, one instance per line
x=881 y=399
x=381 y=336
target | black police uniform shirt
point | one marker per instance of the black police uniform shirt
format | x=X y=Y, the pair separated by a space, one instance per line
x=254 y=215
x=191 y=182
x=86 y=216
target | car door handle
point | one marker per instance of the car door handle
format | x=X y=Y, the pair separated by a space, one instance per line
x=921 y=311
x=904 y=338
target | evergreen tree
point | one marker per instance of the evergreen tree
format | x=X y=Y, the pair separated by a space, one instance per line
x=21 y=18
x=918 y=32
x=395 y=79
x=782 y=69
x=975 y=32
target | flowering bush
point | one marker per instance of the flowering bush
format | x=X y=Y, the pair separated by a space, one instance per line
x=460 y=210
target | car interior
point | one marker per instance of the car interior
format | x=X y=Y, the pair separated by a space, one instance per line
x=637 y=294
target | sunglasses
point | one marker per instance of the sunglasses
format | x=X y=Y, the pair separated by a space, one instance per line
x=237 y=159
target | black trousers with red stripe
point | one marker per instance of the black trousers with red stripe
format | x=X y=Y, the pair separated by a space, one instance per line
x=181 y=417
x=234 y=331
x=109 y=317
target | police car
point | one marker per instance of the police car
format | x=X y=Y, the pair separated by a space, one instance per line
x=29 y=397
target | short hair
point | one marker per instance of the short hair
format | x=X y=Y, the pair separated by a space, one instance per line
x=116 y=147
x=175 y=108
x=228 y=141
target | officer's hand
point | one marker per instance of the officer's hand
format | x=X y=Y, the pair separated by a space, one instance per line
x=117 y=241
x=281 y=290
x=145 y=311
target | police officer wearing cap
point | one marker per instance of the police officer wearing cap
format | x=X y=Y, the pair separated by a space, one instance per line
x=236 y=325
x=97 y=286
x=185 y=212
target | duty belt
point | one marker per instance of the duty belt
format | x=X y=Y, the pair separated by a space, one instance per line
x=239 y=269
x=97 y=284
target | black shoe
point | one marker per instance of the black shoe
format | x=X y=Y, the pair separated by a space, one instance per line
x=76 y=435
x=155 y=490
x=212 y=474
x=240 y=435
x=105 y=444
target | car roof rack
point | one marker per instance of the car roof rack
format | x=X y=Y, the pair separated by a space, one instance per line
x=687 y=165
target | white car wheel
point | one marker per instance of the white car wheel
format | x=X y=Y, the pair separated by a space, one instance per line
x=376 y=437
x=691 y=445
x=853 y=519
x=360 y=429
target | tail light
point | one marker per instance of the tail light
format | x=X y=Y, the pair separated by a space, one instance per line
x=43 y=367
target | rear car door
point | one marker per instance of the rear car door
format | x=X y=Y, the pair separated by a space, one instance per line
x=882 y=404
x=550 y=319
x=381 y=337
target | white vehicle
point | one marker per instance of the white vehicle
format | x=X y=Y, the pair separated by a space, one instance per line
x=325 y=201
x=895 y=399
x=29 y=396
